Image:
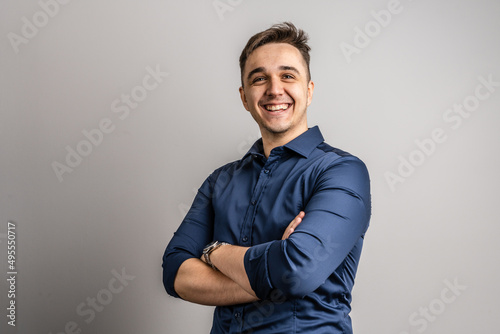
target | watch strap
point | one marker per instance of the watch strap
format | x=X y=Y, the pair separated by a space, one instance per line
x=215 y=246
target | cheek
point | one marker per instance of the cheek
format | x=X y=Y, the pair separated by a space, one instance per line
x=299 y=96
x=253 y=99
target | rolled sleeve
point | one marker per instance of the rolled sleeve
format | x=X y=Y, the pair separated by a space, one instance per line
x=195 y=231
x=257 y=269
x=337 y=215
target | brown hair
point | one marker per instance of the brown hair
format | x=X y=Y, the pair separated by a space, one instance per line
x=284 y=32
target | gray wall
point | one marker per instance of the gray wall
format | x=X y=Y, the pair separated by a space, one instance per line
x=409 y=95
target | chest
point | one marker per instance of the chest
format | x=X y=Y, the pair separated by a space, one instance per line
x=255 y=204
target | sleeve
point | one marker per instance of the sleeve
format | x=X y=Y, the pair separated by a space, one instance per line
x=195 y=231
x=337 y=215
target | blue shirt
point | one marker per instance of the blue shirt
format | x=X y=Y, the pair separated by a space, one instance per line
x=305 y=281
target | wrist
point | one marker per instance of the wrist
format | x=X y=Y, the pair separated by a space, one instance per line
x=208 y=251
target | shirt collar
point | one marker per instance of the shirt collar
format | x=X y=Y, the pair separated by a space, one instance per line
x=304 y=144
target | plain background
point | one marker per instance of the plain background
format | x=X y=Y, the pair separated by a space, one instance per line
x=119 y=207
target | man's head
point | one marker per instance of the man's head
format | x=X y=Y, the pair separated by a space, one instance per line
x=276 y=87
x=284 y=32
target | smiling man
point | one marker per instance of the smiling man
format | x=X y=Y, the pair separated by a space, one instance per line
x=276 y=90
x=274 y=239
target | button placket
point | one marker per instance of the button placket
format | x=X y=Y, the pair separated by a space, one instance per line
x=264 y=176
x=237 y=322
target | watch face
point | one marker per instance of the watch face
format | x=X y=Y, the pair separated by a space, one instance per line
x=209 y=246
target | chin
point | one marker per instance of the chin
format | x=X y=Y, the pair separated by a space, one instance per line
x=277 y=129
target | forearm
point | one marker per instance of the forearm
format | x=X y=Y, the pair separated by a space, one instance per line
x=198 y=283
x=229 y=260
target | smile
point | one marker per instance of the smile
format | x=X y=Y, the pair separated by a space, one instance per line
x=277 y=107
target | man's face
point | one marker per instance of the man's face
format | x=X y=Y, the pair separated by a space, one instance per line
x=276 y=90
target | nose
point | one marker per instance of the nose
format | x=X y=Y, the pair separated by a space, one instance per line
x=274 y=87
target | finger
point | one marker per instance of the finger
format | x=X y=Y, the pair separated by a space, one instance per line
x=293 y=225
x=297 y=220
x=287 y=232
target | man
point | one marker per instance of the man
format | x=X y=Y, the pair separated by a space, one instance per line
x=285 y=224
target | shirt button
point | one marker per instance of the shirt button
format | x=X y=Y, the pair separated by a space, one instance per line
x=237 y=315
x=266 y=171
x=253 y=202
x=245 y=239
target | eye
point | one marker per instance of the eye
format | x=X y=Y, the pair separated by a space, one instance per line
x=288 y=76
x=258 y=79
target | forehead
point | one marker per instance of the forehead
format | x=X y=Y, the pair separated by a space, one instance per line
x=275 y=55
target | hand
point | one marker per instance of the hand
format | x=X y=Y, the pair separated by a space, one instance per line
x=293 y=225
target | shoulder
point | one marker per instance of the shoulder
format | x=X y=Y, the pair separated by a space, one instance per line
x=341 y=170
x=331 y=156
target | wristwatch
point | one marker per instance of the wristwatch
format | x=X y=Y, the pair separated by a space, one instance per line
x=209 y=249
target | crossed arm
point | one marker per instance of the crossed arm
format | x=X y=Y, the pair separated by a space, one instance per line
x=338 y=213
x=197 y=282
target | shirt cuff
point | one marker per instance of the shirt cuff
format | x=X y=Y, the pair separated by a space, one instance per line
x=256 y=267
x=169 y=272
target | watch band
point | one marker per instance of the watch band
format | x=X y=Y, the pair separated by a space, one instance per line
x=209 y=249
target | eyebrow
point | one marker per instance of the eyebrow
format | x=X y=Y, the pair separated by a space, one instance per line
x=255 y=70
x=289 y=68
x=282 y=68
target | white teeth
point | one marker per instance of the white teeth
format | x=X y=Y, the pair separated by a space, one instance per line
x=274 y=107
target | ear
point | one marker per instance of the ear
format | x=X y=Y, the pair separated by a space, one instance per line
x=310 y=90
x=244 y=98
